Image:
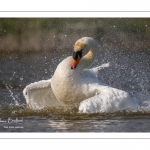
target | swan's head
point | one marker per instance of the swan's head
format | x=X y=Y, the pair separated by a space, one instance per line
x=81 y=48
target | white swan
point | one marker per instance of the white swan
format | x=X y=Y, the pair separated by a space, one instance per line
x=72 y=85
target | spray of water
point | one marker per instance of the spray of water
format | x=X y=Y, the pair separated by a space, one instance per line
x=15 y=99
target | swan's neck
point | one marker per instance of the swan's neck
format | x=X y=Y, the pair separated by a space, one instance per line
x=87 y=60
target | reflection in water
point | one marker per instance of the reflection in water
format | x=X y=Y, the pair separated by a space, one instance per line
x=63 y=120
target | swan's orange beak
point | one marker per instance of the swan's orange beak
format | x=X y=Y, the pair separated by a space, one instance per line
x=75 y=62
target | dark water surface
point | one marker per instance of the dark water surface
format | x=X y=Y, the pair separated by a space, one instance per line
x=128 y=71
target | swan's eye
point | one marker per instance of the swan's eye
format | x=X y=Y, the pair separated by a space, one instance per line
x=76 y=54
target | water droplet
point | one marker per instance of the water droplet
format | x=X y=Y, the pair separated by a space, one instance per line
x=13 y=112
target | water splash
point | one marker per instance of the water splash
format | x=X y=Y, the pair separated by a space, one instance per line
x=63 y=113
x=128 y=72
x=12 y=95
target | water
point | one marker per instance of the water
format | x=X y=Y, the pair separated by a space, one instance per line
x=128 y=71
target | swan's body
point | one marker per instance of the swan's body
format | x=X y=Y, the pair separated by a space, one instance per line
x=77 y=86
x=72 y=87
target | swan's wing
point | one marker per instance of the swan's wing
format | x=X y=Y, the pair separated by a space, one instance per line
x=109 y=100
x=94 y=71
x=39 y=95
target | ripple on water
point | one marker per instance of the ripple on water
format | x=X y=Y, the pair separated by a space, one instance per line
x=62 y=112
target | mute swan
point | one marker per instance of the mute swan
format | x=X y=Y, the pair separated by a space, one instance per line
x=72 y=84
